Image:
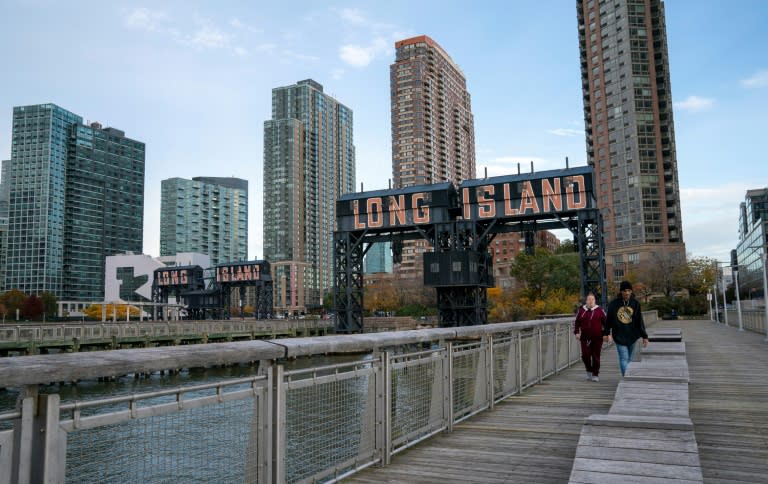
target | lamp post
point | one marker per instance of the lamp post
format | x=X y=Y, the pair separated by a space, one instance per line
x=725 y=301
x=765 y=289
x=714 y=293
x=738 y=297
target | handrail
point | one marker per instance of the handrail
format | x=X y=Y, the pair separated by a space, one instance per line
x=43 y=369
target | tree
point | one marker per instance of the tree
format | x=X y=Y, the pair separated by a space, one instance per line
x=698 y=275
x=32 y=307
x=541 y=273
x=666 y=272
x=93 y=312
x=49 y=304
x=13 y=300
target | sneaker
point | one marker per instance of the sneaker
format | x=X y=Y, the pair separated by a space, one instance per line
x=595 y=378
x=589 y=376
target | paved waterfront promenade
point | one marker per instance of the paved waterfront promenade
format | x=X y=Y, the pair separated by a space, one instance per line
x=533 y=437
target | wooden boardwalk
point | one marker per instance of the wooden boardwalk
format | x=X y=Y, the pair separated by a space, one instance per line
x=728 y=400
x=528 y=438
x=533 y=437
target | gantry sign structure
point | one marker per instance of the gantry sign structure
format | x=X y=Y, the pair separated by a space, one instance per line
x=207 y=293
x=460 y=224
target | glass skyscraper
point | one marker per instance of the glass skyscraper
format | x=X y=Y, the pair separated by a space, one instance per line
x=208 y=215
x=76 y=195
x=309 y=162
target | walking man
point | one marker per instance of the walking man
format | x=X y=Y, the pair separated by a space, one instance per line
x=625 y=324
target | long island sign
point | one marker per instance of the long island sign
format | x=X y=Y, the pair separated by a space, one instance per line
x=545 y=194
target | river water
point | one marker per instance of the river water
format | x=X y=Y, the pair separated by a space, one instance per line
x=212 y=443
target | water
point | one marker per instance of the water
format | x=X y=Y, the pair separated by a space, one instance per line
x=213 y=443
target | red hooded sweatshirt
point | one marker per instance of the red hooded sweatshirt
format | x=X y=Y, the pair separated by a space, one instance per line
x=590 y=322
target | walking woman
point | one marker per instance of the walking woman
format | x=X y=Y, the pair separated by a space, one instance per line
x=589 y=328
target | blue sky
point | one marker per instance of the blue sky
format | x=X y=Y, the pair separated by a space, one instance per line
x=193 y=81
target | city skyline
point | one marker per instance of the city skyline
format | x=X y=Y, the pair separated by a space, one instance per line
x=195 y=83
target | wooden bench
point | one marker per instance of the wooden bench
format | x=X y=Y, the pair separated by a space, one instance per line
x=666 y=335
x=647 y=435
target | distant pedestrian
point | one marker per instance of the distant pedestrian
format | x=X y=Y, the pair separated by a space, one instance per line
x=625 y=324
x=589 y=328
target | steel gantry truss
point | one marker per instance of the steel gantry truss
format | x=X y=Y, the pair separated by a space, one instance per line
x=460 y=225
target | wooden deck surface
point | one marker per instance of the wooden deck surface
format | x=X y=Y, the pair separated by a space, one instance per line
x=533 y=437
x=528 y=438
x=728 y=400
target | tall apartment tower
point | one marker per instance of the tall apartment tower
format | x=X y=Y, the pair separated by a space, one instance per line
x=309 y=162
x=630 y=130
x=5 y=195
x=76 y=195
x=433 y=134
x=206 y=215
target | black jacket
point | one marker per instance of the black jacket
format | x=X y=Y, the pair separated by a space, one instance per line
x=625 y=321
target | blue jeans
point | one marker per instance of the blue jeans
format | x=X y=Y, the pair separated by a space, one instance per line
x=625 y=355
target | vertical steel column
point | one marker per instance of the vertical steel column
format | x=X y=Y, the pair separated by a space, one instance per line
x=348 y=283
x=589 y=236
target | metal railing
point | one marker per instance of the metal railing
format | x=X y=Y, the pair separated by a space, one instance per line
x=306 y=425
x=94 y=332
x=751 y=320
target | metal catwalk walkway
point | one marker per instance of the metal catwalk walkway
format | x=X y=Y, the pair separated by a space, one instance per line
x=533 y=437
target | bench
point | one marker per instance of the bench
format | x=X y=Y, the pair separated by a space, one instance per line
x=647 y=435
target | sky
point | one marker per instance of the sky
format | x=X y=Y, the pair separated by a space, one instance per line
x=193 y=81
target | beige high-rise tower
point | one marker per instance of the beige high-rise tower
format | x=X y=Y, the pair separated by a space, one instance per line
x=433 y=134
x=630 y=132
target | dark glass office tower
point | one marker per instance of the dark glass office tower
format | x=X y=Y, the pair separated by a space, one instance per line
x=76 y=195
x=104 y=206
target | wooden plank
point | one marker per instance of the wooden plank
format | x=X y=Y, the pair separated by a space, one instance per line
x=631 y=421
x=587 y=477
x=623 y=442
x=645 y=469
x=668 y=457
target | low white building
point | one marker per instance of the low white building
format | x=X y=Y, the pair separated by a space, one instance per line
x=128 y=277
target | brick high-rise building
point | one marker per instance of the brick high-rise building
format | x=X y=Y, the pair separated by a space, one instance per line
x=433 y=134
x=630 y=130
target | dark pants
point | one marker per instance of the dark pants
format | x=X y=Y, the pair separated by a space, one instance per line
x=590 y=353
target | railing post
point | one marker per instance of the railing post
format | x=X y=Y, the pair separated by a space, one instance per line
x=519 y=363
x=557 y=367
x=384 y=408
x=539 y=362
x=448 y=386
x=489 y=365
x=38 y=443
x=278 y=424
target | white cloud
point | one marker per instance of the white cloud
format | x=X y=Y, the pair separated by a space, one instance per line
x=353 y=16
x=710 y=218
x=240 y=51
x=208 y=37
x=239 y=25
x=361 y=56
x=758 y=79
x=566 y=132
x=695 y=103
x=145 y=19
x=337 y=74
